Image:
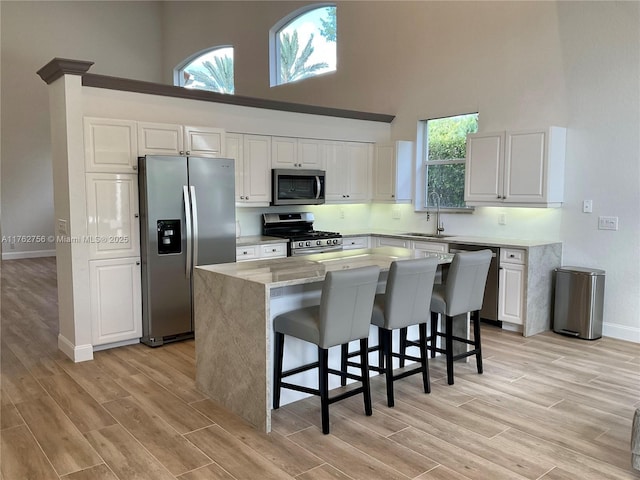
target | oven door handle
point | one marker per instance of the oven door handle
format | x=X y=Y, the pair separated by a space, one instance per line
x=318 y=187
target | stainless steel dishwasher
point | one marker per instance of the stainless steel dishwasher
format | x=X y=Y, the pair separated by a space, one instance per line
x=489 y=311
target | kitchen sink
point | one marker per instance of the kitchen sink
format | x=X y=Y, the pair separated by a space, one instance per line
x=426 y=235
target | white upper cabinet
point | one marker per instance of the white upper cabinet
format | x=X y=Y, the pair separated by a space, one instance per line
x=284 y=152
x=204 y=141
x=110 y=145
x=517 y=168
x=348 y=172
x=112 y=215
x=252 y=155
x=392 y=166
x=288 y=152
x=169 y=139
x=310 y=153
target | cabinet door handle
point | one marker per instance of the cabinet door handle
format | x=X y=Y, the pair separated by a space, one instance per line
x=188 y=152
x=136 y=215
x=181 y=152
x=135 y=167
x=137 y=263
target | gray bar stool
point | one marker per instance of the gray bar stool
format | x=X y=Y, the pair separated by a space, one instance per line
x=462 y=293
x=344 y=314
x=405 y=303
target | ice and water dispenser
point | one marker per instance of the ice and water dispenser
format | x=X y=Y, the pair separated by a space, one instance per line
x=169 y=238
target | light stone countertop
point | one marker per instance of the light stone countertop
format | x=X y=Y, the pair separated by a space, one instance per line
x=467 y=239
x=280 y=272
x=258 y=240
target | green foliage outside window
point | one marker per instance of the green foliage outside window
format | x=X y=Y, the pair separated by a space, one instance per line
x=446 y=151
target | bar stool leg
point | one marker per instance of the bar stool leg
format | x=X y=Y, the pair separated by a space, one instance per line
x=476 y=340
x=277 y=369
x=364 y=368
x=344 y=358
x=403 y=345
x=434 y=333
x=388 y=363
x=424 y=360
x=449 y=348
x=323 y=384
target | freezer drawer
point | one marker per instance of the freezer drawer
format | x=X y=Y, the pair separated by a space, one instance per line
x=579 y=302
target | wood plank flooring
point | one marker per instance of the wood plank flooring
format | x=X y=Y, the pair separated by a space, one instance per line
x=547 y=407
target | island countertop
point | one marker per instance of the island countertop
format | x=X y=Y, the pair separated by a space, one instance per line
x=299 y=270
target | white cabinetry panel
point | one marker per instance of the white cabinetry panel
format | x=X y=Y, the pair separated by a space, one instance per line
x=392 y=168
x=518 y=168
x=110 y=145
x=116 y=301
x=112 y=215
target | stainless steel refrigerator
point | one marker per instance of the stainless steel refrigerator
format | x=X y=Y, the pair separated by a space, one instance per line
x=187 y=218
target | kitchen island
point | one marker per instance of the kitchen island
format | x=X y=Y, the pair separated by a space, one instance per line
x=235 y=304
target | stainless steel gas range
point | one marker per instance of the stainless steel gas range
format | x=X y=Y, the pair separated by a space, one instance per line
x=298 y=229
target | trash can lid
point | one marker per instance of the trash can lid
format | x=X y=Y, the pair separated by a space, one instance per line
x=581 y=270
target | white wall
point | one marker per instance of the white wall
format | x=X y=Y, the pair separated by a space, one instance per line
x=122 y=38
x=520 y=64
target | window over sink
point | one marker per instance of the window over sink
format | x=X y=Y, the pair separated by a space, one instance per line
x=443 y=155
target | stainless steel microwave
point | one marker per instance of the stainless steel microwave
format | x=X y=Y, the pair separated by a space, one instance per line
x=297 y=187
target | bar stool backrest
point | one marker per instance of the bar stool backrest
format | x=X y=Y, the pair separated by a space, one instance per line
x=346 y=305
x=408 y=294
x=466 y=280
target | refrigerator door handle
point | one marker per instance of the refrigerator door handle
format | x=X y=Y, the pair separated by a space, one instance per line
x=194 y=208
x=187 y=215
x=318 y=187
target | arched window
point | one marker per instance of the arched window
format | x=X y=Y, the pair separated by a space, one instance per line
x=303 y=44
x=210 y=70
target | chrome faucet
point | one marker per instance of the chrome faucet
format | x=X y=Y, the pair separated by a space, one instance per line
x=439 y=224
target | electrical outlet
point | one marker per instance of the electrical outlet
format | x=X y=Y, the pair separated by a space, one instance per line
x=502 y=219
x=395 y=213
x=587 y=206
x=62 y=227
x=607 y=223
x=342 y=213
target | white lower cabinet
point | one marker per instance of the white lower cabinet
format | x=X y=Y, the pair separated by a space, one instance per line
x=511 y=290
x=390 y=242
x=430 y=247
x=116 y=300
x=256 y=252
x=353 y=243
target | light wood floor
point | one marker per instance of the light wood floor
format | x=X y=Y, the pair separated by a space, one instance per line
x=547 y=407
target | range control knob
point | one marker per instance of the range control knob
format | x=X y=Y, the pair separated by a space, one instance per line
x=301 y=244
x=335 y=241
x=308 y=244
x=318 y=242
x=328 y=242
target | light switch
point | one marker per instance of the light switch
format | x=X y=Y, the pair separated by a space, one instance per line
x=587 y=206
x=62 y=227
x=607 y=223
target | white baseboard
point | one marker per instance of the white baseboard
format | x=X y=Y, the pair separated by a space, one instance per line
x=97 y=348
x=29 y=254
x=77 y=353
x=621 y=332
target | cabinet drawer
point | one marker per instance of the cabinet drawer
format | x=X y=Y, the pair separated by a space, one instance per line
x=431 y=246
x=249 y=252
x=513 y=255
x=274 y=250
x=352 y=243
x=392 y=242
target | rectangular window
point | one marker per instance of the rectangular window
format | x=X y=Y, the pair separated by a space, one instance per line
x=444 y=152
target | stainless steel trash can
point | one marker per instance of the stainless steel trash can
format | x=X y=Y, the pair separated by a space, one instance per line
x=579 y=302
